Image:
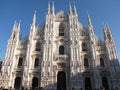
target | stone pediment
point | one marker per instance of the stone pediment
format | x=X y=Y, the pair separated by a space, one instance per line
x=61 y=15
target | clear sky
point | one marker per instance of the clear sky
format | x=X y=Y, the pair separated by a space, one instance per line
x=107 y=11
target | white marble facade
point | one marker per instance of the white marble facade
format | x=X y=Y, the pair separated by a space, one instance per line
x=61 y=54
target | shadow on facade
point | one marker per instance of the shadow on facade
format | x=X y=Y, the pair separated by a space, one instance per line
x=88 y=79
x=100 y=78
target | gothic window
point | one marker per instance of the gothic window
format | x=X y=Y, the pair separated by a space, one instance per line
x=36 y=64
x=37 y=48
x=20 y=61
x=86 y=64
x=61 y=50
x=108 y=35
x=102 y=62
x=13 y=36
x=61 y=30
x=84 y=46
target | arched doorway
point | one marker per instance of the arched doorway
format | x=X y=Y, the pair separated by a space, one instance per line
x=88 y=84
x=105 y=83
x=61 y=80
x=17 y=83
x=34 y=83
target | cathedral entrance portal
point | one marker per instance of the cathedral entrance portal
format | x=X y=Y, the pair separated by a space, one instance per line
x=34 y=83
x=105 y=83
x=87 y=84
x=61 y=80
x=17 y=83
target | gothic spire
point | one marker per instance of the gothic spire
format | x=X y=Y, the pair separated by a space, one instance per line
x=107 y=33
x=19 y=25
x=53 y=9
x=90 y=27
x=70 y=9
x=89 y=20
x=48 y=10
x=34 y=19
x=15 y=25
x=15 y=31
x=75 y=10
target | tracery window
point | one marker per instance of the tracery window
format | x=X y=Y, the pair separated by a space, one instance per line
x=20 y=62
x=36 y=64
x=61 y=50
x=102 y=62
x=37 y=48
x=61 y=30
x=84 y=46
x=86 y=64
x=13 y=36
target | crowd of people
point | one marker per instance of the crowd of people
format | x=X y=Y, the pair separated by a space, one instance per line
x=22 y=88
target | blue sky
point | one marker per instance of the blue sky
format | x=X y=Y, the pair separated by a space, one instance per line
x=107 y=11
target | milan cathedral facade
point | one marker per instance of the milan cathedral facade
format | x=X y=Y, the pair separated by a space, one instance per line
x=61 y=54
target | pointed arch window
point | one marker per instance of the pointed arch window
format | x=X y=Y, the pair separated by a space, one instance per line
x=20 y=62
x=36 y=64
x=61 y=50
x=13 y=36
x=108 y=35
x=37 y=48
x=102 y=62
x=86 y=64
x=84 y=46
x=61 y=29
